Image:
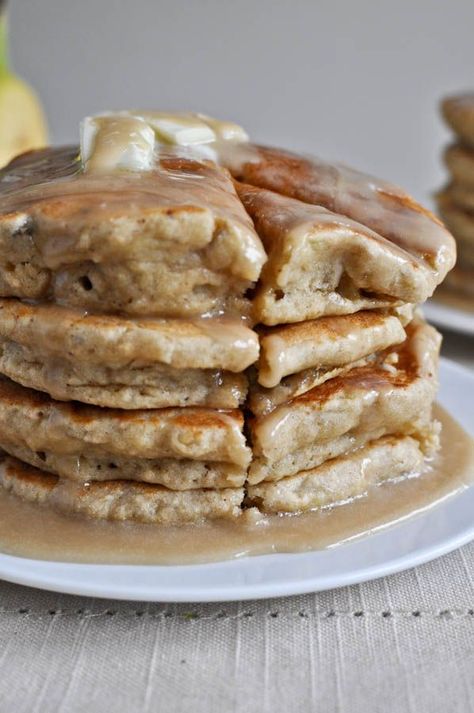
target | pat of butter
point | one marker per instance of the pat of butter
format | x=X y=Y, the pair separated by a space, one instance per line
x=117 y=141
x=180 y=129
x=130 y=140
x=225 y=130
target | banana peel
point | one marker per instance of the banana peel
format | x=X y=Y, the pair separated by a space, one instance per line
x=22 y=121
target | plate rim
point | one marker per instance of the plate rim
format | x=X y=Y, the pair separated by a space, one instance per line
x=115 y=583
x=261 y=591
x=449 y=317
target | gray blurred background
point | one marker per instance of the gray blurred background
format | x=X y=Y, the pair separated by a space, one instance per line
x=355 y=81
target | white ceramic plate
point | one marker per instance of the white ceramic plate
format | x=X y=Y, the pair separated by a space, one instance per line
x=418 y=539
x=449 y=317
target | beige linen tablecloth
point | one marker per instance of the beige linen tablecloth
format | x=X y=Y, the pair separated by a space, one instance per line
x=400 y=644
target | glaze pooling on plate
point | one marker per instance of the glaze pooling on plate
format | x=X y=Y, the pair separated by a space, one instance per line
x=413 y=540
x=32 y=531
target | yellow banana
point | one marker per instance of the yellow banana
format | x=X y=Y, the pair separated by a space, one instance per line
x=22 y=122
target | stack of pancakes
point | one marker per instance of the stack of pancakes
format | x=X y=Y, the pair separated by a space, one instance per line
x=456 y=200
x=208 y=337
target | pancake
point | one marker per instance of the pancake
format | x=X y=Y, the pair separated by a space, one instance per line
x=119 y=500
x=461 y=279
x=125 y=363
x=261 y=400
x=83 y=239
x=458 y=112
x=323 y=263
x=32 y=419
x=172 y=473
x=459 y=160
x=334 y=345
x=385 y=209
x=119 y=342
x=324 y=343
x=342 y=479
x=462 y=196
x=465 y=256
x=459 y=220
x=384 y=399
x=134 y=387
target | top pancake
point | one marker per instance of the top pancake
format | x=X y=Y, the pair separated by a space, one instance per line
x=323 y=263
x=182 y=224
x=380 y=206
x=458 y=111
x=176 y=241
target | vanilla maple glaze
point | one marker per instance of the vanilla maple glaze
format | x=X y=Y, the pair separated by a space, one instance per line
x=57 y=174
x=33 y=531
x=369 y=383
x=377 y=205
x=187 y=175
x=175 y=174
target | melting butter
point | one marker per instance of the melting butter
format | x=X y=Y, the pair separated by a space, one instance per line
x=135 y=140
x=113 y=142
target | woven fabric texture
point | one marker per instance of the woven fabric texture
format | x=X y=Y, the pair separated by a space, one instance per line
x=404 y=643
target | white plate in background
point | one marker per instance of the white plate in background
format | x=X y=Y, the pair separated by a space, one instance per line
x=411 y=542
x=443 y=315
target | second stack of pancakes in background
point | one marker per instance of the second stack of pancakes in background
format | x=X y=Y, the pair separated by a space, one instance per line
x=193 y=326
x=456 y=200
